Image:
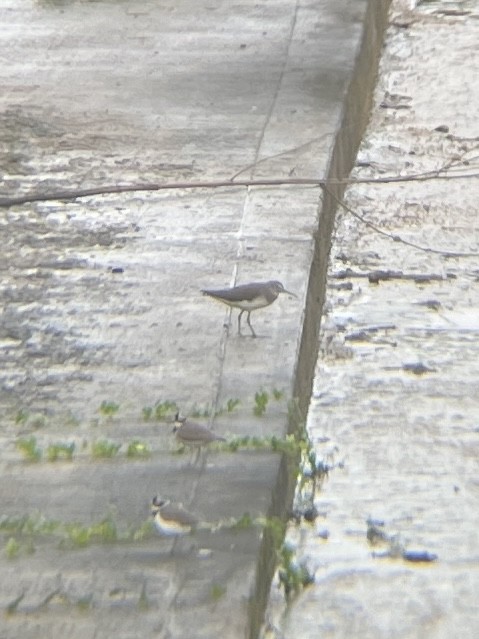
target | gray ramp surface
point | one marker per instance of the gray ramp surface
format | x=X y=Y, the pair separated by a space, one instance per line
x=101 y=295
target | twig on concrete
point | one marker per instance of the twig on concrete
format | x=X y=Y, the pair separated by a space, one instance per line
x=315 y=182
x=289 y=151
x=131 y=188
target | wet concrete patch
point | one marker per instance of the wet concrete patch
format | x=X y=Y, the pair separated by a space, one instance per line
x=394 y=409
x=102 y=295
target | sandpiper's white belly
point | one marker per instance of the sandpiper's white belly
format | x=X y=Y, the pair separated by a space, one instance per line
x=170 y=528
x=251 y=305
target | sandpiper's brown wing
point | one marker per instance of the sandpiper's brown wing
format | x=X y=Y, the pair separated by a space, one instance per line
x=172 y=513
x=241 y=293
x=193 y=433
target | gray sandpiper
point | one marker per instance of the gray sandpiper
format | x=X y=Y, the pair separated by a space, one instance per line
x=248 y=297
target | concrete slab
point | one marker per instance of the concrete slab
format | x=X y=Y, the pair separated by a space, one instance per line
x=395 y=395
x=101 y=295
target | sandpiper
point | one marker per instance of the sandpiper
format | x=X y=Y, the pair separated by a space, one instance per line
x=171 y=520
x=194 y=435
x=248 y=297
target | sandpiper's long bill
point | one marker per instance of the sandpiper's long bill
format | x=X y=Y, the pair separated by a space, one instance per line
x=248 y=297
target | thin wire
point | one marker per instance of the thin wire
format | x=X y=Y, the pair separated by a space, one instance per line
x=395 y=238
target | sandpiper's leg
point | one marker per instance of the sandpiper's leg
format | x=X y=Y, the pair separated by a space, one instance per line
x=173 y=546
x=197 y=456
x=191 y=457
x=249 y=324
x=239 y=322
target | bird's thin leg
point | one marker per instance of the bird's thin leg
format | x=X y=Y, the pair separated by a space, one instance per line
x=249 y=324
x=173 y=546
x=190 y=458
x=239 y=322
x=197 y=456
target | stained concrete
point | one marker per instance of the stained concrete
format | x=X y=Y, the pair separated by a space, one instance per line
x=395 y=407
x=101 y=294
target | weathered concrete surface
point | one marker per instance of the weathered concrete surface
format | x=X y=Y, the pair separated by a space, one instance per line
x=117 y=92
x=409 y=441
